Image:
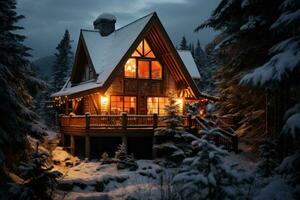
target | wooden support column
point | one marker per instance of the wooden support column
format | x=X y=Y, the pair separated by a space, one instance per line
x=124 y=141
x=87 y=146
x=154 y=153
x=87 y=120
x=155 y=121
x=72 y=138
x=190 y=122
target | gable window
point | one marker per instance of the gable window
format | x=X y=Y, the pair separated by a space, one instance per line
x=143 y=64
x=130 y=68
x=156 y=70
x=143 y=69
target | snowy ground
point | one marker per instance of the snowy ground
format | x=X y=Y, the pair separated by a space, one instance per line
x=92 y=180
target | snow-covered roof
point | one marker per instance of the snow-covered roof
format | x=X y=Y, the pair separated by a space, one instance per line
x=106 y=52
x=189 y=63
x=68 y=89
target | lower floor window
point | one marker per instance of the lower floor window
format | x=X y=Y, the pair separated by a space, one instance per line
x=156 y=105
x=119 y=104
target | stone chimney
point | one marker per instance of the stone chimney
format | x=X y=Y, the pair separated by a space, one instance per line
x=105 y=23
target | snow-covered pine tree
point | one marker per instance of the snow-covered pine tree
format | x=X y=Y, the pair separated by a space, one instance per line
x=279 y=74
x=268 y=159
x=286 y=181
x=16 y=84
x=192 y=49
x=125 y=161
x=183 y=44
x=177 y=145
x=244 y=25
x=206 y=176
x=39 y=179
x=63 y=63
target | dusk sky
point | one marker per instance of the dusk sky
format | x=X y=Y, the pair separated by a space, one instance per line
x=46 y=20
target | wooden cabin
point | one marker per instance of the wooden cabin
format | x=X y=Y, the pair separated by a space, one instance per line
x=120 y=83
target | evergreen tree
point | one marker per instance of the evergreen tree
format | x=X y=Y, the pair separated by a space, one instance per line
x=124 y=160
x=285 y=182
x=192 y=49
x=16 y=84
x=63 y=62
x=244 y=27
x=206 y=176
x=177 y=145
x=39 y=179
x=183 y=44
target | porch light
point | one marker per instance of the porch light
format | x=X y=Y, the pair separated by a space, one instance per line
x=179 y=101
x=103 y=100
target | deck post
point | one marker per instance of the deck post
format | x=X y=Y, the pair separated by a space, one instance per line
x=87 y=120
x=153 y=149
x=87 y=147
x=190 y=122
x=72 y=138
x=124 y=120
x=155 y=120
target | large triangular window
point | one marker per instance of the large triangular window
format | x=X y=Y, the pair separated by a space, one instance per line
x=143 y=63
x=143 y=50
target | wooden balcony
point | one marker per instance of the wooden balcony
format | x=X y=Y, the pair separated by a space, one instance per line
x=113 y=125
x=135 y=126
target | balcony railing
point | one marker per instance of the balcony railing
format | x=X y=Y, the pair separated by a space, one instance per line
x=115 y=121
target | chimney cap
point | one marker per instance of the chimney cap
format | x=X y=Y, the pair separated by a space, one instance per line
x=104 y=17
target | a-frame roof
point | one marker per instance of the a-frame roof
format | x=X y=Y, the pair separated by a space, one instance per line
x=107 y=54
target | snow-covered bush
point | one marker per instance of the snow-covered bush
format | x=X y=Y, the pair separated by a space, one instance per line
x=123 y=160
x=205 y=176
x=39 y=179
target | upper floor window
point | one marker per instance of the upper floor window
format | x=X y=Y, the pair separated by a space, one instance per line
x=143 y=64
x=130 y=68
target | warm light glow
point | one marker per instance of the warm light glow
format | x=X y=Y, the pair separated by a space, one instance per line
x=130 y=68
x=202 y=112
x=179 y=102
x=103 y=100
x=143 y=69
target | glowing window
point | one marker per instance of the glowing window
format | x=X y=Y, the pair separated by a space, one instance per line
x=130 y=68
x=143 y=50
x=156 y=105
x=152 y=105
x=156 y=70
x=150 y=55
x=116 y=105
x=143 y=69
x=130 y=105
x=162 y=102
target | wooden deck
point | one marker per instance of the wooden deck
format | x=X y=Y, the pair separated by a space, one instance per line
x=113 y=125
x=125 y=126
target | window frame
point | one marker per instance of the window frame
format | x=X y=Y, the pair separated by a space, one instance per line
x=123 y=103
x=158 y=102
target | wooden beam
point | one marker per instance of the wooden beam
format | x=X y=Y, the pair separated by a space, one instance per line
x=87 y=146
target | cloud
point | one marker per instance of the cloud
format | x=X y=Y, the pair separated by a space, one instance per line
x=46 y=20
